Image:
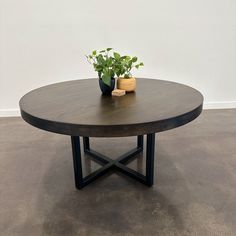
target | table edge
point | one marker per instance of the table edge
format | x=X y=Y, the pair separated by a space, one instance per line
x=122 y=130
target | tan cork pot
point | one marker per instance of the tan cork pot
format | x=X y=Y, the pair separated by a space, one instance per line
x=128 y=84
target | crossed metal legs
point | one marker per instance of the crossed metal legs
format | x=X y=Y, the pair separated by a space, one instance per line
x=108 y=164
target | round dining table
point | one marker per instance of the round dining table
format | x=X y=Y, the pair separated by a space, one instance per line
x=78 y=109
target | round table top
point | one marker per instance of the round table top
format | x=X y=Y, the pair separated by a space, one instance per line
x=78 y=108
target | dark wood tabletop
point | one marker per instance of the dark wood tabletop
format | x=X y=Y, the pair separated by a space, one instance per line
x=78 y=108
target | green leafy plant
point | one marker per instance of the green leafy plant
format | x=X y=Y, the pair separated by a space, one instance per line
x=103 y=63
x=109 y=63
x=124 y=64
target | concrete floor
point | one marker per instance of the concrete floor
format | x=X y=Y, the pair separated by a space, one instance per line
x=194 y=191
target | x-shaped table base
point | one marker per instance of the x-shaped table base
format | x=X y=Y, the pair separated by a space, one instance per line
x=109 y=164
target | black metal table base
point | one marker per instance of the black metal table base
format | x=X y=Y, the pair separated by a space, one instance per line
x=109 y=164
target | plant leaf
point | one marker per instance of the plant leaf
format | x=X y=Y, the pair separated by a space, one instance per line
x=109 y=62
x=100 y=60
x=106 y=79
x=130 y=64
x=116 y=55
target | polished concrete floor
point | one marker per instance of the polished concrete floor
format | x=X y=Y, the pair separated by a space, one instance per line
x=194 y=191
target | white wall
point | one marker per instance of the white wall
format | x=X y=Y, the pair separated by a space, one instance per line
x=188 y=41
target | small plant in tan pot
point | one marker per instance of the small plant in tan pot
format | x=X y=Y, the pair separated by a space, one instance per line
x=122 y=67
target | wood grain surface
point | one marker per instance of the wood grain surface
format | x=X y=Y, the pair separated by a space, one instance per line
x=78 y=108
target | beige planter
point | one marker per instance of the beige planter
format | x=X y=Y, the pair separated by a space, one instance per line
x=129 y=84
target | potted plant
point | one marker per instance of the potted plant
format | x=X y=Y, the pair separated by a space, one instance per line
x=123 y=66
x=103 y=63
x=108 y=64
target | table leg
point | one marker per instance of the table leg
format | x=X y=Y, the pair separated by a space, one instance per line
x=75 y=141
x=86 y=144
x=150 y=151
x=110 y=164
x=140 y=141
